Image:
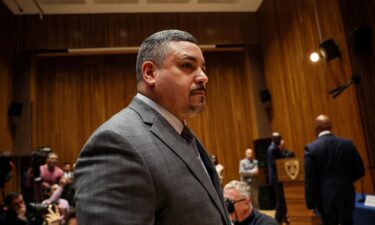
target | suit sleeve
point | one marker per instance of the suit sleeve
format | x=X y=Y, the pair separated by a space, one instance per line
x=113 y=185
x=358 y=167
x=311 y=179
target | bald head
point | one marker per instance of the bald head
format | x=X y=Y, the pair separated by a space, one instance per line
x=276 y=138
x=249 y=154
x=322 y=123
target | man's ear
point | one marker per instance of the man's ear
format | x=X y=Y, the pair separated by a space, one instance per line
x=148 y=72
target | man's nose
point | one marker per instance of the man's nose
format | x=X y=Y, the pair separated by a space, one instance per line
x=202 y=78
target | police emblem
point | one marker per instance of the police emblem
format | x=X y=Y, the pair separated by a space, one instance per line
x=292 y=168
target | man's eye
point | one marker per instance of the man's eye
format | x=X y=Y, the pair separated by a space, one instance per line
x=187 y=65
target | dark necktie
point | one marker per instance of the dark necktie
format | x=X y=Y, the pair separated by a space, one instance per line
x=187 y=135
x=190 y=141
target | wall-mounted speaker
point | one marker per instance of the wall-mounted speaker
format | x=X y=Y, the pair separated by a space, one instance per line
x=15 y=109
x=329 y=49
x=362 y=39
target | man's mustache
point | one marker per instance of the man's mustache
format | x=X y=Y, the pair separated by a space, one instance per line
x=199 y=88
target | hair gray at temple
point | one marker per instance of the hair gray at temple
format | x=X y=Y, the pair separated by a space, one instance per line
x=243 y=188
x=154 y=48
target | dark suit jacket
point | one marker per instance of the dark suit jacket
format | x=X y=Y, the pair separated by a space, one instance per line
x=332 y=164
x=273 y=153
x=136 y=170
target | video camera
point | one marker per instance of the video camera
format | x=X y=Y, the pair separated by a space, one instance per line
x=40 y=209
x=38 y=158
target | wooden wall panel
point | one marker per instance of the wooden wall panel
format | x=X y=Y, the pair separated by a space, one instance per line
x=300 y=88
x=7 y=49
x=361 y=15
x=6 y=141
x=74 y=95
x=121 y=30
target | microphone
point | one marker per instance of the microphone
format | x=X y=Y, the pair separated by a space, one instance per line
x=337 y=91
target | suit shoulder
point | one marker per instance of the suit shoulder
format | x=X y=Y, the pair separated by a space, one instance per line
x=125 y=120
x=344 y=140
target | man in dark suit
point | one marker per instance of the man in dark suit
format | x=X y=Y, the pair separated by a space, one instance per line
x=332 y=165
x=275 y=152
x=143 y=166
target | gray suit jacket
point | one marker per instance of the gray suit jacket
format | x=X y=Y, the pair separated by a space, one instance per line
x=136 y=169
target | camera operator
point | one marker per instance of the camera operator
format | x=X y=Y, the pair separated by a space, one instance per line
x=14 y=211
x=54 y=218
x=238 y=200
x=54 y=194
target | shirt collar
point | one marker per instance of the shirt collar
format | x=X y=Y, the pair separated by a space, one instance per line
x=324 y=133
x=172 y=119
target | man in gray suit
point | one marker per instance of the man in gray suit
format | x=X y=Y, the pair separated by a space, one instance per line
x=137 y=168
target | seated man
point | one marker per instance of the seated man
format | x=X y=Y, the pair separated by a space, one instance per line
x=237 y=198
x=14 y=211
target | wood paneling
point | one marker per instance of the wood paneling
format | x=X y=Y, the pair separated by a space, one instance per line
x=74 y=95
x=362 y=15
x=71 y=96
x=7 y=50
x=121 y=30
x=300 y=88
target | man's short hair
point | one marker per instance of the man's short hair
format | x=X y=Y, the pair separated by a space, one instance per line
x=154 y=48
x=276 y=138
x=10 y=197
x=242 y=187
x=52 y=153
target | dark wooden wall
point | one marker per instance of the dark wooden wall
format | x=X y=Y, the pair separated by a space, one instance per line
x=121 y=30
x=71 y=96
x=299 y=87
x=74 y=95
x=363 y=63
x=7 y=52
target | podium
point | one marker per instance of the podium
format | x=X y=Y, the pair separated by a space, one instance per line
x=290 y=172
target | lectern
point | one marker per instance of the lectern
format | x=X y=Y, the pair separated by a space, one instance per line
x=290 y=172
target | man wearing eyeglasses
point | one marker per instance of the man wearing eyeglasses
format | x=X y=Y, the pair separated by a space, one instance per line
x=238 y=201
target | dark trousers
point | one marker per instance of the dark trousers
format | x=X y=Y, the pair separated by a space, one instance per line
x=341 y=212
x=281 y=209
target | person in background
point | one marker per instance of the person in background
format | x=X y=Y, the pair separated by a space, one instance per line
x=285 y=153
x=332 y=165
x=54 y=196
x=70 y=218
x=53 y=217
x=249 y=173
x=68 y=172
x=273 y=153
x=144 y=165
x=219 y=168
x=237 y=196
x=14 y=211
x=50 y=173
x=68 y=192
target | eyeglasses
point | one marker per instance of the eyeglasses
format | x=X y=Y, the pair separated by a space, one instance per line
x=230 y=204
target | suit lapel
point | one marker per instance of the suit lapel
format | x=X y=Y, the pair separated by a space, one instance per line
x=166 y=133
x=177 y=144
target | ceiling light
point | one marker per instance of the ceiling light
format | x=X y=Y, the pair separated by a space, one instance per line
x=314 y=57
